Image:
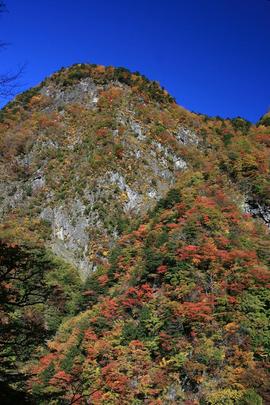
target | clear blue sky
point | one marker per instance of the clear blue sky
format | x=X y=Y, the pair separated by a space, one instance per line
x=212 y=55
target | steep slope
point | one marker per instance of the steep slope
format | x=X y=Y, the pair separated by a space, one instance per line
x=153 y=206
x=182 y=313
x=91 y=148
x=82 y=153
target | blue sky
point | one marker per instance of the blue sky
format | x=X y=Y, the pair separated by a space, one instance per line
x=213 y=56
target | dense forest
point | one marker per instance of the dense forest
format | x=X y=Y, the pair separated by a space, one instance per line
x=134 y=245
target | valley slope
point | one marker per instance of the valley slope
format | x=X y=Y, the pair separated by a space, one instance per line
x=164 y=214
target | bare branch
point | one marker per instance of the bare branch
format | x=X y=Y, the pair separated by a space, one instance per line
x=8 y=80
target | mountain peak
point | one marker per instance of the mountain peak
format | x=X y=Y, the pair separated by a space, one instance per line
x=107 y=74
x=87 y=76
x=156 y=275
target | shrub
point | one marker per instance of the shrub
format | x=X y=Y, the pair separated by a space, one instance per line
x=172 y=198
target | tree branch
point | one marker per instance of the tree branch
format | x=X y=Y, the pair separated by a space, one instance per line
x=8 y=80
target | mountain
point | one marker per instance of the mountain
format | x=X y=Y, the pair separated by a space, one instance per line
x=177 y=313
x=163 y=214
x=85 y=152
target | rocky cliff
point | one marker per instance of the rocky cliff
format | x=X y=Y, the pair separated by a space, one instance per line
x=91 y=149
x=134 y=238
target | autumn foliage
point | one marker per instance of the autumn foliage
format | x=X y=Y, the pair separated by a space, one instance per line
x=180 y=316
x=177 y=309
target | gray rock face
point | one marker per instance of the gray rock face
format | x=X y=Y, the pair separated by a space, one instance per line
x=258 y=210
x=133 y=199
x=17 y=192
x=136 y=128
x=168 y=155
x=69 y=234
x=84 y=92
x=187 y=137
x=38 y=181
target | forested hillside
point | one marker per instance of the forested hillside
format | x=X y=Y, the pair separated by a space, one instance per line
x=134 y=247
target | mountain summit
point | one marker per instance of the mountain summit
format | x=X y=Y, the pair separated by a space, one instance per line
x=91 y=148
x=163 y=214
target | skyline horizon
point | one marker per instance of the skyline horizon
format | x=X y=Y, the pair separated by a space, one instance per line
x=211 y=57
